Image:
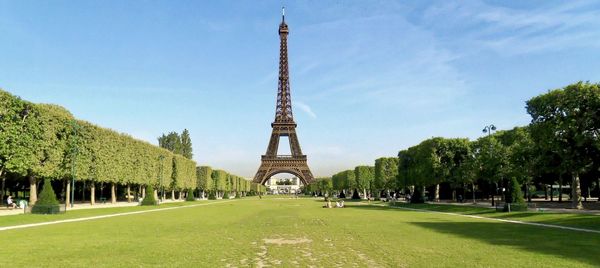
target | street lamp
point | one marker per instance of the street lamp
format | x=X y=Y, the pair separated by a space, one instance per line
x=74 y=151
x=488 y=129
x=160 y=177
x=25 y=112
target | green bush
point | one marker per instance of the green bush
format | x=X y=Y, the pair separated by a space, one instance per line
x=226 y=195
x=514 y=207
x=418 y=195
x=190 y=195
x=47 y=203
x=149 y=199
x=355 y=195
x=212 y=195
x=515 y=193
x=238 y=195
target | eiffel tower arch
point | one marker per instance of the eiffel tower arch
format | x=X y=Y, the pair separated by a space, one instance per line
x=283 y=126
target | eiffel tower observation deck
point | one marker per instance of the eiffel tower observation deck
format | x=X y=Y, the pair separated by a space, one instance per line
x=283 y=126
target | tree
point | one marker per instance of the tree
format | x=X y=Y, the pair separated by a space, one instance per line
x=386 y=171
x=186 y=144
x=491 y=161
x=47 y=204
x=16 y=137
x=205 y=181
x=149 y=199
x=171 y=142
x=364 y=176
x=219 y=181
x=567 y=122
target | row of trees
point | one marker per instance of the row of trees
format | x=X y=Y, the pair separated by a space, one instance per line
x=220 y=184
x=560 y=145
x=178 y=144
x=43 y=141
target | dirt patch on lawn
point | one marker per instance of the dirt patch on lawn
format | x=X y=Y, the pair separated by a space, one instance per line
x=283 y=241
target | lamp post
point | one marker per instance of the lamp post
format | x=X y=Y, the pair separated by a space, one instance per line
x=74 y=151
x=488 y=129
x=405 y=166
x=160 y=177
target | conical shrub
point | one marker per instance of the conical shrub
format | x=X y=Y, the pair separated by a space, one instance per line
x=149 y=199
x=190 y=195
x=47 y=202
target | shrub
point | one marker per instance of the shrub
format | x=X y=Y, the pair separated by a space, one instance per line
x=149 y=199
x=212 y=195
x=418 y=195
x=238 y=195
x=47 y=203
x=355 y=195
x=226 y=195
x=515 y=193
x=190 y=195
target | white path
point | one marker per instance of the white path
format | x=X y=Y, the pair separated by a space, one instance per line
x=105 y=216
x=502 y=220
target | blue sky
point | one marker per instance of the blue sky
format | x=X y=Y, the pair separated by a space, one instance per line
x=368 y=78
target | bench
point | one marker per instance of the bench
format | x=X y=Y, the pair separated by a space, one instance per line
x=103 y=200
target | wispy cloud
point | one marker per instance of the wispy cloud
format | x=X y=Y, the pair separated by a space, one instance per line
x=305 y=108
x=514 y=31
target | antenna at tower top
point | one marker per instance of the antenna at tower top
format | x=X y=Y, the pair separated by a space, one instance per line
x=283 y=13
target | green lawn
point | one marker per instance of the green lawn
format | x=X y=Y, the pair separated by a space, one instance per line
x=291 y=233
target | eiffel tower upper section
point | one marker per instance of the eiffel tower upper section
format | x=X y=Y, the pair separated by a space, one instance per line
x=283 y=110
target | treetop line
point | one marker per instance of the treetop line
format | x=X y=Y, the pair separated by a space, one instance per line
x=560 y=145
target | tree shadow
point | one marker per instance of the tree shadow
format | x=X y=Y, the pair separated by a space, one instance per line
x=588 y=221
x=574 y=245
x=577 y=246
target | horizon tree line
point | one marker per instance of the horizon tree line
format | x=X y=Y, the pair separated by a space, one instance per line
x=561 y=145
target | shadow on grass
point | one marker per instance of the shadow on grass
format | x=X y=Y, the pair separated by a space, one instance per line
x=573 y=245
x=588 y=221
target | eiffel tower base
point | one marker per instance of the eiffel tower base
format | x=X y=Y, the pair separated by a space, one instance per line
x=296 y=166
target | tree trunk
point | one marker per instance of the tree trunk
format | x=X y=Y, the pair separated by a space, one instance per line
x=113 y=193
x=83 y=193
x=3 y=184
x=545 y=192
x=68 y=195
x=128 y=193
x=32 y=190
x=437 y=193
x=155 y=194
x=473 y=188
x=93 y=194
x=143 y=192
x=364 y=193
x=528 y=192
x=551 y=193
x=173 y=195
x=598 y=184
x=576 y=192
x=453 y=194
x=560 y=191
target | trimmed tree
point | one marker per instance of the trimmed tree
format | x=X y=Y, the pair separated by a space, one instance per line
x=190 y=195
x=149 y=199
x=47 y=203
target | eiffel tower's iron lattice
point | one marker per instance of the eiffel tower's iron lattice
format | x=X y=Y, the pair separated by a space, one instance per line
x=283 y=126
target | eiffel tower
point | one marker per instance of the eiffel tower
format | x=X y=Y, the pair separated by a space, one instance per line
x=284 y=125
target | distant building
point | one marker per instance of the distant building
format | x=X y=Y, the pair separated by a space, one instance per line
x=277 y=186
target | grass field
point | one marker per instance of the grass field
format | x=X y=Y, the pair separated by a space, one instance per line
x=296 y=233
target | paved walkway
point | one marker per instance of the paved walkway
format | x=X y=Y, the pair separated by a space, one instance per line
x=22 y=226
x=5 y=211
x=487 y=204
x=502 y=220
